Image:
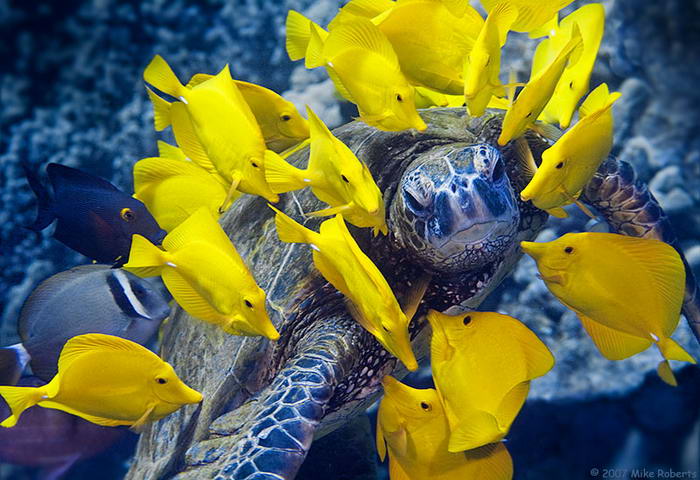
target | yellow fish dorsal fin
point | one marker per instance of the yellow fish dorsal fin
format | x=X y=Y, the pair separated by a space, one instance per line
x=546 y=28
x=225 y=82
x=415 y=296
x=187 y=138
x=199 y=227
x=396 y=471
x=613 y=344
x=315 y=50
x=524 y=157
x=319 y=132
x=188 y=298
x=363 y=34
x=154 y=170
x=599 y=100
x=666 y=373
x=490 y=462
x=198 y=78
x=105 y=422
x=369 y=8
x=475 y=429
x=78 y=346
x=165 y=150
x=456 y=7
x=502 y=17
x=161 y=110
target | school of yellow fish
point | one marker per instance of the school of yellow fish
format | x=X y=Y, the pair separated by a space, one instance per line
x=389 y=58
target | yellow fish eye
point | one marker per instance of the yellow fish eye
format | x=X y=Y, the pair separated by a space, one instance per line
x=399 y=98
x=285 y=117
x=255 y=165
x=569 y=250
x=559 y=165
x=127 y=214
x=248 y=304
x=161 y=380
x=345 y=179
x=467 y=320
x=426 y=406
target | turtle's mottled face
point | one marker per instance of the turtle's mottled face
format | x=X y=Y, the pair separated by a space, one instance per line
x=455 y=208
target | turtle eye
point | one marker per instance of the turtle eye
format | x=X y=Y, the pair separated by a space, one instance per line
x=467 y=320
x=248 y=304
x=286 y=118
x=498 y=171
x=127 y=214
x=559 y=165
x=569 y=250
x=399 y=98
x=345 y=179
x=161 y=380
x=426 y=406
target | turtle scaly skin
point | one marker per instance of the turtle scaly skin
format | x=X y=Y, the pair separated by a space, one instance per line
x=454 y=216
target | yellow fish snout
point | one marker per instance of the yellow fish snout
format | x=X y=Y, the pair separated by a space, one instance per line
x=191 y=395
x=534 y=249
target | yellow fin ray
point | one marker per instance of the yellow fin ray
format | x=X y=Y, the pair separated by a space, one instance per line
x=511 y=404
x=159 y=74
x=105 y=422
x=360 y=33
x=613 y=344
x=338 y=83
x=314 y=51
x=199 y=227
x=19 y=399
x=145 y=259
x=490 y=462
x=188 y=298
x=198 y=78
x=282 y=176
x=290 y=231
x=666 y=373
x=396 y=471
x=671 y=350
x=161 y=110
x=475 y=430
x=298 y=29
x=165 y=150
x=187 y=138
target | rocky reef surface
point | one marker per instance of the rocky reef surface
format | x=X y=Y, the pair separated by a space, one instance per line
x=71 y=92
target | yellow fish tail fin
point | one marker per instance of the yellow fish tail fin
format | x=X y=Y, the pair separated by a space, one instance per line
x=165 y=150
x=19 y=399
x=290 y=231
x=145 y=259
x=371 y=8
x=666 y=374
x=159 y=74
x=475 y=430
x=280 y=175
x=671 y=350
x=298 y=29
x=314 y=50
x=613 y=344
x=198 y=78
x=161 y=111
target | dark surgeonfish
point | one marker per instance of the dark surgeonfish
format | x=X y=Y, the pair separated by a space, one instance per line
x=84 y=299
x=51 y=439
x=95 y=218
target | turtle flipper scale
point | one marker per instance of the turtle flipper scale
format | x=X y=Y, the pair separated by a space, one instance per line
x=269 y=436
x=631 y=209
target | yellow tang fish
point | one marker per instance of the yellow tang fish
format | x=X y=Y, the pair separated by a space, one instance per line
x=496 y=357
x=483 y=64
x=280 y=122
x=569 y=164
x=413 y=428
x=364 y=68
x=532 y=14
x=431 y=51
x=341 y=261
x=336 y=177
x=627 y=291
x=226 y=135
x=106 y=380
x=174 y=188
x=573 y=83
x=536 y=94
x=205 y=275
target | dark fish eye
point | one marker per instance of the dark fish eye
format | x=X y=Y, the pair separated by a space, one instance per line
x=162 y=381
x=399 y=98
x=248 y=304
x=426 y=406
x=255 y=165
x=569 y=249
x=385 y=329
x=528 y=115
x=467 y=320
x=127 y=214
x=571 y=84
x=345 y=179
x=286 y=118
x=560 y=165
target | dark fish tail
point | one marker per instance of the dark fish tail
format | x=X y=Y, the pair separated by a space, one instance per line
x=13 y=359
x=44 y=215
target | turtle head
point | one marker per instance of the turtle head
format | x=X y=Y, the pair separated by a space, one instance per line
x=455 y=209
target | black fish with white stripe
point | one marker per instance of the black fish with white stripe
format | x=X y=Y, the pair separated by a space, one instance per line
x=84 y=299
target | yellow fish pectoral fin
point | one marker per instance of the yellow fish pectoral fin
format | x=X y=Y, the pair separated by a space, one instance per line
x=511 y=404
x=137 y=426
x=105 y=422
x=613 y=344
x=666 y=373
x=396 y=471
x=547 y=131
x=475 y=430
x=415 y=296
x=524 y=157
x=490 y=462
x=188 y=298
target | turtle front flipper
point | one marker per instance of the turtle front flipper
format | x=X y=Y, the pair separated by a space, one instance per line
x=630 y=209
x=269 y=436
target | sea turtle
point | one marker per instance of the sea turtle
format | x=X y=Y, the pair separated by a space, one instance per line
x=453 y=212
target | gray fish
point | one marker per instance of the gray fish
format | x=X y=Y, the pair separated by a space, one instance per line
x=51 y=439
x=84 y=299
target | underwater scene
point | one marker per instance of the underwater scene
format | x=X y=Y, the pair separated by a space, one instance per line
x=350 y=239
